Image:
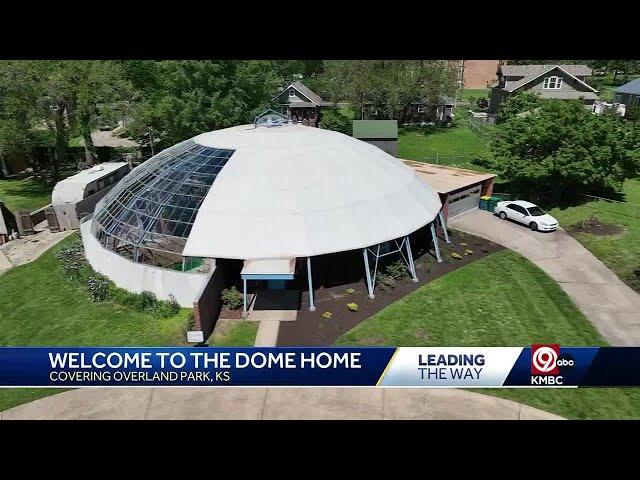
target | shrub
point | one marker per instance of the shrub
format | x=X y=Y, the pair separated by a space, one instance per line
x=352 y=307
x=351 y=290
x=327 y=315
x=72 y=260
x=147 y=301
x=98 y=287
x=336 y=121
x=232 y=298
x=468 y=251
x=174 y=306
x=456 y=255
x=385 y=281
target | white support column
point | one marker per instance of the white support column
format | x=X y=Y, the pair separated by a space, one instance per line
x=412 y=266
x=184 y=263
x=435 y=242
x=444 y=226
x=365 y=254
x=312 y=306
x=244 y=297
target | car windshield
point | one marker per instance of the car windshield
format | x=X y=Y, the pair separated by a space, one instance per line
x=535 y=211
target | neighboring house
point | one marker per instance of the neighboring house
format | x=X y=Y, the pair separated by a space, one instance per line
x=381 y=133
x=418 y=112
x=629 y=93
x=300 y=104
x=562 y=82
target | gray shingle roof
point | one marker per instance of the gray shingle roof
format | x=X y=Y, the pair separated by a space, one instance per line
x=311 y=95
x=532 y=70
x=633 y=87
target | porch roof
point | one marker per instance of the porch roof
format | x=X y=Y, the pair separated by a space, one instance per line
x=269 y=269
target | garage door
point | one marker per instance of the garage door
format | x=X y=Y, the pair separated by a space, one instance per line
x=464 y=200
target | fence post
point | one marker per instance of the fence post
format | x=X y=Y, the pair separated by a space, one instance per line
x=437 y=158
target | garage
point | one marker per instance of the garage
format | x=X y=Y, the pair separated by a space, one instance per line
x=464 y=200
x=460 y=189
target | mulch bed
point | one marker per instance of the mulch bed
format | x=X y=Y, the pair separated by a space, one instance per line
x=311 y=329
x=228 y=314
x=594 y=226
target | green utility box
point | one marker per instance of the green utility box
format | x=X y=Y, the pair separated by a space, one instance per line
x=492 y=202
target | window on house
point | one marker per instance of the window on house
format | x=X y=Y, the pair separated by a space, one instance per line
x=374 y=111
x=420 y=108
x=292 y=92
x=552 y=83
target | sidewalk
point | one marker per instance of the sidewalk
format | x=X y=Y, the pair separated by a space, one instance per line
x=273 y=404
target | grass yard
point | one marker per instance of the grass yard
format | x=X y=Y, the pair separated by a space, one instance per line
x=468 y=93
x=501 y=300
x=456 y=145
x=24 y=194
x=38 y=306
x=234 y=333
x=620 y=252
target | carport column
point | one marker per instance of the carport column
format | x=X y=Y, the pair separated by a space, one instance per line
x=412 y=266
x=435 y=242
x=244 y=297
x=312 y=306
x=366 y=267
x=444 y=226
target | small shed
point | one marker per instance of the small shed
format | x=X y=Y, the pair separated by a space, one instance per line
x=77 y=195
x=381 y=133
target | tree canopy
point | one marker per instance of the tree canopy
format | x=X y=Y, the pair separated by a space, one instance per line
x=562 y=145
x=390 y=86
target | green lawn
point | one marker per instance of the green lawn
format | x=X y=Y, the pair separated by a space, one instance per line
x=621 y=252
x=24 y=194
x=456 y=145
x=235 y=334
x=38 y=306
x=501 y=300
x=468 y=93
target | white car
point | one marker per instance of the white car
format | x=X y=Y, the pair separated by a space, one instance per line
x=526 y=213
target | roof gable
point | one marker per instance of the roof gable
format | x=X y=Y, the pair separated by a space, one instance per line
x=531 y=78
x=307 y=94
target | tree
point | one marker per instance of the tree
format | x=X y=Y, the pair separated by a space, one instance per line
x=18 y=99
x=564 y=146
x=391 y=86
x=519 y=103
x=336 y=121
x=199 y=96
x=102 y=93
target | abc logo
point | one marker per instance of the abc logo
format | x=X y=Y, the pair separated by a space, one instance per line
x=565 y=361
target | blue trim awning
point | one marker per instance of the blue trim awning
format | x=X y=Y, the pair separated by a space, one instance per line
x=269 y=269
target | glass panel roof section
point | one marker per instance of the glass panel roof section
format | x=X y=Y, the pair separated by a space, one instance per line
x=149 y=214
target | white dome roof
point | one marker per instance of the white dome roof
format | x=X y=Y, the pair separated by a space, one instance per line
x=296 y=191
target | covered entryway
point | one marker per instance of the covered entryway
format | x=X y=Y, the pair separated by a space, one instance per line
x=269 y=279
x=464 y=200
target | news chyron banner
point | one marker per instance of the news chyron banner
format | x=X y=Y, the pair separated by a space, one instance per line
x=537 y=366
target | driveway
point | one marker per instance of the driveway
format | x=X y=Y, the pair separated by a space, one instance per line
x=272 y=404
x=611 y=306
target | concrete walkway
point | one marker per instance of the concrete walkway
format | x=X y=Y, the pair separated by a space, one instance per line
x=611 y=306
x=273 y=404
x=27 y=249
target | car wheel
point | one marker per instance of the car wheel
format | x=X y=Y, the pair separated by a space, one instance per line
x=533 y=226
x=503 y=215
